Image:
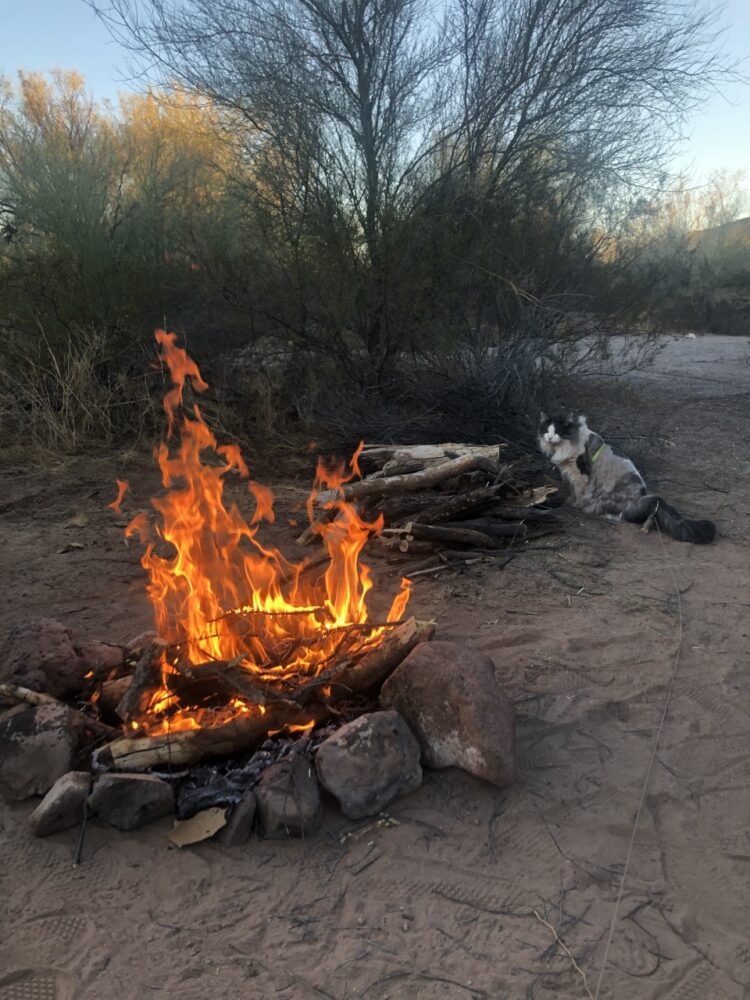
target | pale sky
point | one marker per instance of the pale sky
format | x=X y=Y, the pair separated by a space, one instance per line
x=45 y=34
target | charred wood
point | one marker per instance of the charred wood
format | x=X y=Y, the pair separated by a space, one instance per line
x=146 y=679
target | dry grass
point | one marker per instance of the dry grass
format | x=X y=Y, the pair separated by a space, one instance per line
x=66 y=398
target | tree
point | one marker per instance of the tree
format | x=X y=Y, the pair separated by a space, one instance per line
x=360 y=113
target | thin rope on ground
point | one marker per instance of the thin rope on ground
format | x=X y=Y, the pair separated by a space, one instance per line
x=649 y=769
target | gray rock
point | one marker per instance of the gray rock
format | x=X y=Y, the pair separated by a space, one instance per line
x=289 y=798
x=129 y=801
x=451 y=700
x=62 y=806
x=37 y=746
x=41 y=655
x=369 y=762
x=240 y=823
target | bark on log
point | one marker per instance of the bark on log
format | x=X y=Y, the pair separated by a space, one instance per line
x=245 y=732
x=451 y=536
x=393 y=508
x=424 y=454
x=452 y=508
x=402 y=484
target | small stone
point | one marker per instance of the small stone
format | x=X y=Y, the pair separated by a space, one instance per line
x=37 y=746
x=62 y=806
x=404 y=927
x=451 y=700
x=41 y=655
x=129 y=801
x=360 y=921
x=240 y=823
x=369 y=762
x=289 y=799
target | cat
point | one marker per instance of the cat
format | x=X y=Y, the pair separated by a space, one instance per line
x=603 y=482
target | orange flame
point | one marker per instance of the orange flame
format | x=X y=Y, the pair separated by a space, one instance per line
x=219 y=593
x=122 y=488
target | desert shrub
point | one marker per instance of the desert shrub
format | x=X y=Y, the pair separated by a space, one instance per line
x=64 y=396
x=366 y=222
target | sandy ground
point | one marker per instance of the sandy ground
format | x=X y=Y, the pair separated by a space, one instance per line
x=584 y=636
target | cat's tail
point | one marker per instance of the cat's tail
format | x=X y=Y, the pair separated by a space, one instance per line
x=670 y=521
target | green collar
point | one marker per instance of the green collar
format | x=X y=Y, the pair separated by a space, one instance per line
x=598 y=452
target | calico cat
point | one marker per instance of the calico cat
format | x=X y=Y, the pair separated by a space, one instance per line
x=603 y=482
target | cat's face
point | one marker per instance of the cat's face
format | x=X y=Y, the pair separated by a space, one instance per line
x=562 y=436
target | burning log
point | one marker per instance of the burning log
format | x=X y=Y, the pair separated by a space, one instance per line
x=311 y=703
x=190 y=746
x=146 y=678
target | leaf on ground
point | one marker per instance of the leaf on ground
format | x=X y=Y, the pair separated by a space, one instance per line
x=199 y=827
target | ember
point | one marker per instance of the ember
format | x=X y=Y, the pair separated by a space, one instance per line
x=240 y=624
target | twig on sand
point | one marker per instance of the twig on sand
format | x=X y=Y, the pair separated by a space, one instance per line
x=568 y=952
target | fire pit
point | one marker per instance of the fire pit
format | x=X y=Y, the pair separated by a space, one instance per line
x=264 y=672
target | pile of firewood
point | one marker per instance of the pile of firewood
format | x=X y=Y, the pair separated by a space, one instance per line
x=449 y=499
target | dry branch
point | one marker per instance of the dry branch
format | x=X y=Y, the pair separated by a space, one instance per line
x=15 y=692
x=454 y=535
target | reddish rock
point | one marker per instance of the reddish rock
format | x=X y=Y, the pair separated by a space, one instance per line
x=450 y=698
x=369 y=762
x=41 y=655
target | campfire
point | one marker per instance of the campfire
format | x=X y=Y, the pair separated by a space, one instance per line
x=266 y=676
x=249 y=642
